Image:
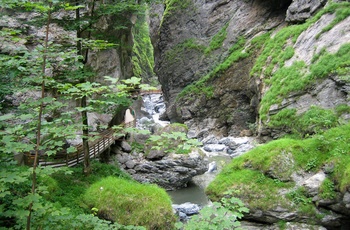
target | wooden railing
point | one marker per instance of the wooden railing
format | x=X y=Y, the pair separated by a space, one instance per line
x=145 y=92
x=61 y=159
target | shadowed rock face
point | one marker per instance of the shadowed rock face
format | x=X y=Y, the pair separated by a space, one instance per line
x=183 y=57
x=235 y=98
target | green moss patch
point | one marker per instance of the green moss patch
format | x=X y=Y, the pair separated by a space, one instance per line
x=254 y=175
x=314 y=120
x=286 y=80
x=129 y=202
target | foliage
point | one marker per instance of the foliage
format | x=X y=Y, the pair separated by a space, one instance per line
x=41 y=124
x=129 y=202
x=223 y=215
x=174 y=142
x=250 y=174
x=57 y=201
x=327 y=190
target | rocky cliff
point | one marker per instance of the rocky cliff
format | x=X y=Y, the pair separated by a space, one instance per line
x=217 y=62
x=270 y=68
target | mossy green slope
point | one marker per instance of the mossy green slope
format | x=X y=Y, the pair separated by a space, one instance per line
x=129 y=202
x=282 y=80
x=259 y=176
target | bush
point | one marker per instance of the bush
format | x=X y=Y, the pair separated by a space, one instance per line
x=128 y=202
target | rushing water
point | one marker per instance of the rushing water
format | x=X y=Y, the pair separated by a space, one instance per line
x=153 y=106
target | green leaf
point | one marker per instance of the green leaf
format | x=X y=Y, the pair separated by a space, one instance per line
x=7 y=117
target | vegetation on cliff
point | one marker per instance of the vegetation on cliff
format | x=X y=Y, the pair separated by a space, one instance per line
x=283 y=80
x=262 y=178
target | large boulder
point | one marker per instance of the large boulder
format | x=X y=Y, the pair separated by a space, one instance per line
x=300 y=10
x=172 y=171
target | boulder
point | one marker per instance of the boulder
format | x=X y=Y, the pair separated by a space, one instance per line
x=313 y=183
x=300 y=10
x=214 y=147
x=172 y=171
x=187 y=208
x=125 y=147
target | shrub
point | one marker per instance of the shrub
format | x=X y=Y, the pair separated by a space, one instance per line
x=224 y=215
x=128 y=202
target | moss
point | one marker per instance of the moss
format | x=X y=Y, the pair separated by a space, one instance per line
x=342 y=109
x=263 y=194
x=327 y=190
x=341 y=10
x=250 y=174
x=172 y=7
x=202 y=86
x=129 y=202
x=314 y=120
x=217 y=40
x=142 y=58
x=286 y=80
x=175 y=54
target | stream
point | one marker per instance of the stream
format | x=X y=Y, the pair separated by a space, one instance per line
x=152 y=107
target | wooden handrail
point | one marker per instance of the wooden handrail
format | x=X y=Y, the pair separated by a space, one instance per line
x=156 y=91
x=97 y=147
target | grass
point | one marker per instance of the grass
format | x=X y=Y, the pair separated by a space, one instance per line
x=129 y=202
x=122 y=199
x=70 y=187
x=314 y=120
x=253 y=174
x=217 y=40
x=286 y=80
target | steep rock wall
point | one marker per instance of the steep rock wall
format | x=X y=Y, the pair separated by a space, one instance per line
x=194 y=38
x=213 y=63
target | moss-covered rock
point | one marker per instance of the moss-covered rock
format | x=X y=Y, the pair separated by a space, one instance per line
x=280 y=179
x=131 y=203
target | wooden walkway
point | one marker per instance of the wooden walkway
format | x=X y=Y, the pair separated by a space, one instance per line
x=98 y=146
x=145 y=92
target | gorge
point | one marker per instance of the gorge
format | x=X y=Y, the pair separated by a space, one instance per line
x=263 y=82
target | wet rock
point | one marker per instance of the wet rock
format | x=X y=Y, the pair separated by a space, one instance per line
x=187 y=208
x=211 y=139
x=171 y=172
x=122 y=158
x=125 y=146
x=212 y=167
x=214 y=147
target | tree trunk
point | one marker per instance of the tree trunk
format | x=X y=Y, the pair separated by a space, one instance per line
x=87 y=167
x=41 y=108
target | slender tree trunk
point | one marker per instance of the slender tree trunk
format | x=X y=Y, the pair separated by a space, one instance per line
x=87 y=167
x=41 y=108
x=86 y=148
